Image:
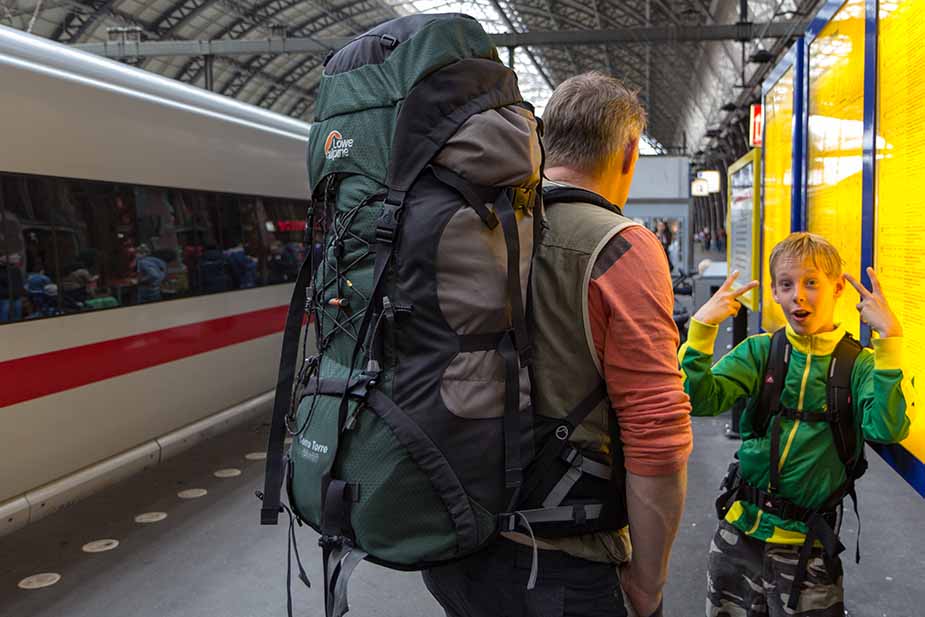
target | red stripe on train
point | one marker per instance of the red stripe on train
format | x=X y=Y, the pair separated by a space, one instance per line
x=27 y=378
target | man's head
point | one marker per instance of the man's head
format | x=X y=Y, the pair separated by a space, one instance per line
x=807 y=280
x=593 y=125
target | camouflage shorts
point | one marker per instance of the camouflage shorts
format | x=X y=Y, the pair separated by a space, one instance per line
x=749 y=578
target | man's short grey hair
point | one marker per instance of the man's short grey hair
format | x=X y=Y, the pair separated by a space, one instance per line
x=589 y=118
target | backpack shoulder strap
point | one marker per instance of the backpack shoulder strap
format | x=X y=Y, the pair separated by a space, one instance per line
x=839 y=405
x=572 y=194
x=772 y=384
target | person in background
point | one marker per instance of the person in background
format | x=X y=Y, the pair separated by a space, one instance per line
x=663 y=233
x=12 y=290
x=39 y=300
x=151 y=272
x=75 y=286
x=243 y=267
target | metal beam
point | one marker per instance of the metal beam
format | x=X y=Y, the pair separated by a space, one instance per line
x=222 y=47
x=653 y=34
x=275 y=46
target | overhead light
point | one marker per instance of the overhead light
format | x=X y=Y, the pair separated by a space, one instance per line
x=761 y=56
x=729 y=107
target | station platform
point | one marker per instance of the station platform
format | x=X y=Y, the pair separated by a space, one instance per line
x=210 y=558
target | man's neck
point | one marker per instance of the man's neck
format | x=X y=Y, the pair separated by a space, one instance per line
x=576 y=178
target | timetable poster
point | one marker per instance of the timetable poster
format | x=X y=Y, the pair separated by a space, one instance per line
x=834 y=145
x=899 y=240
x=778 y=183
x=743 y=226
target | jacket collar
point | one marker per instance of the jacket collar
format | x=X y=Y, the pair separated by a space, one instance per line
x=822 y=344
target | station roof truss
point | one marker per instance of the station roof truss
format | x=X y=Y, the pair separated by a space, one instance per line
x=682 y=56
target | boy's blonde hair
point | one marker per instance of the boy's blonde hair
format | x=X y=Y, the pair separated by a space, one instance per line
x=807 y=246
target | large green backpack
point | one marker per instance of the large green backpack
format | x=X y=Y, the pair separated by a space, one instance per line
x=414 y=438
x=412 y=422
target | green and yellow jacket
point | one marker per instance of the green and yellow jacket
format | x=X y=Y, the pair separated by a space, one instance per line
x=810 y=469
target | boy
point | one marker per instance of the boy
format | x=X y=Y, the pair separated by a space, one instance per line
x=775 y=551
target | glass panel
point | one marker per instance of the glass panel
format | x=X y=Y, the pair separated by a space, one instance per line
x=778 y=183
x=836 y=128
x=69 y=246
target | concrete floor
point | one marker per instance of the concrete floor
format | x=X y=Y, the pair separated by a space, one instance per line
x=210 y=557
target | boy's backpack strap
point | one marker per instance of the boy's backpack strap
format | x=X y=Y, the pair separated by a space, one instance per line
x=435 y=109
x=772 y=384
x=767 y=411
x=573 y=194
x=839 y=406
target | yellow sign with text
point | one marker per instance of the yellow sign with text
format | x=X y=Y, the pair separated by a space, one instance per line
x=778 y=183
x=899 y=242
x=834 y=145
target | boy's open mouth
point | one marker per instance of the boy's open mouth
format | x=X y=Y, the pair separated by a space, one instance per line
x=800 y=314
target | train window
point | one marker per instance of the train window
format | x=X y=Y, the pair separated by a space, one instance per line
x=69 y=246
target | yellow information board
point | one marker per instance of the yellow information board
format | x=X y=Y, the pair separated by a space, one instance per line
x=899 y=242
x=743 y=223
x=778 y=183
x=834 y=145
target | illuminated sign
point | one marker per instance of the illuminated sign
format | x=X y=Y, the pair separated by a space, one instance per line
x=700 y=188
x=778 y=178
x=290 y=225
x=712 y=178
x=743 y=220
x=834 y=144
x=755 y=124
x=900 y=190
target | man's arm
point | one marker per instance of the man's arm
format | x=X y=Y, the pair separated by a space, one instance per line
x=630 y=310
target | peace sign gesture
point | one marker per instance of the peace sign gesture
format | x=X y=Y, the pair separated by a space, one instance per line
x=873 y=307
x=724 y=303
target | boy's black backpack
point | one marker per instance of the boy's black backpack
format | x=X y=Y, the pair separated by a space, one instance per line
x=839 y=415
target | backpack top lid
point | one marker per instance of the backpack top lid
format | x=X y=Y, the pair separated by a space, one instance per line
x=379 y=67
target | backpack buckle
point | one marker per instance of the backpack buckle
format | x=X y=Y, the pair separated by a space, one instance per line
x=387 y=226
x=388 y=41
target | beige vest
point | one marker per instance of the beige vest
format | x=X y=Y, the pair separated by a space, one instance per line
x=566 y=367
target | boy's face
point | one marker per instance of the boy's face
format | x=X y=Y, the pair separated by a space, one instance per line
x=807 y=295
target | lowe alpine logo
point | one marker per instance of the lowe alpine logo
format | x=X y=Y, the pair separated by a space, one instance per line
x=336 y=147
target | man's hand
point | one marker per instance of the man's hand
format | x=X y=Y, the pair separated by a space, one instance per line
x=724 y=303
x=641 y=600
x=873 y=307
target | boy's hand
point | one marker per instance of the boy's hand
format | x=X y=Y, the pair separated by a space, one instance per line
x=873 y=307
x=724 y=303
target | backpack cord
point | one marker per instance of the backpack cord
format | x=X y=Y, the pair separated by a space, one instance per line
x=534 y=566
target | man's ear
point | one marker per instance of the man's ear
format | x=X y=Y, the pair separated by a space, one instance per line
x=630 y=152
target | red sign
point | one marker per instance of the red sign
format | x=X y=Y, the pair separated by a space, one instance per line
x=756 y=126
x=290 y=225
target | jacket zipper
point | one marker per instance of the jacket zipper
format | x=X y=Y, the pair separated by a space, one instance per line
x=796 y=424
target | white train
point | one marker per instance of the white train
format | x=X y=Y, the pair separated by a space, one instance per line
x=147 y=231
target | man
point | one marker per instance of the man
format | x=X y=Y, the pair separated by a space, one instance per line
x=627 y=339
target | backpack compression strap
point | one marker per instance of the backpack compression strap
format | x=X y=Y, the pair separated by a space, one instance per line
x=273 y=478
x=573 y=194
